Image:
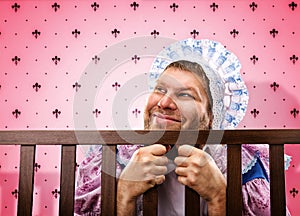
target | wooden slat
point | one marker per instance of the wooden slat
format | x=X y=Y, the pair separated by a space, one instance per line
x=277 y=182
x=108 y=181
x=148 y=137
x=192 y=199
x=70 y=138
x=192 y=202
x=150 y=202
x=26 y=179
x=234 y=180
x=67 y=180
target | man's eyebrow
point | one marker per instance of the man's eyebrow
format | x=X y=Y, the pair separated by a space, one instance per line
x=187 y=89
x=159 y=82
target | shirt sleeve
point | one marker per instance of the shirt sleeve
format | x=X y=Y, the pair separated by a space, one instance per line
x=88 y=181
x=88 y=184
x=256 y=186
x=255 y=172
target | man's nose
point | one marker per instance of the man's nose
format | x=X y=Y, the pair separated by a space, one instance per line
x=166 y=102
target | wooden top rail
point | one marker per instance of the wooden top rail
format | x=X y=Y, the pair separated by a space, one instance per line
x=112 y=137
x=69 y=139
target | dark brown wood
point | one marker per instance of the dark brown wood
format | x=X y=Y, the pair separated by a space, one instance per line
x=234 y=180
x=26 y=179
x=277 y=182
x=69 y=140
x=108 y=181
x=276 y=136
x=192 y=202
x=67 y=180
x=192 y=199
x=150 y=202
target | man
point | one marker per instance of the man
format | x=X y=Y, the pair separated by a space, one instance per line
x=181 y=100
x=186 y=96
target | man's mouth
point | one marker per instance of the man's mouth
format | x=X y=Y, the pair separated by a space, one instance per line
x=166 y=117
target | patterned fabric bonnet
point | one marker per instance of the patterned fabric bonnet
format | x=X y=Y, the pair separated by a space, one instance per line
x=222 y=67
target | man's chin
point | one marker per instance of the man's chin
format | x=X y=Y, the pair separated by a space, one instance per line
x=164 y=127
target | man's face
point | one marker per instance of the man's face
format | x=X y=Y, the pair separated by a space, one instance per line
x=178 y=101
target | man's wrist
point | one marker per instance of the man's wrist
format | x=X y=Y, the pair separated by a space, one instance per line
x=217 y=205
x=125 y=202
x=123 y=191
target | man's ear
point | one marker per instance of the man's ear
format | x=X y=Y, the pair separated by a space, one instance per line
x=211 y=118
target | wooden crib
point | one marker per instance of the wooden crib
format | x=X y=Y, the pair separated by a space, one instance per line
x=70 y=139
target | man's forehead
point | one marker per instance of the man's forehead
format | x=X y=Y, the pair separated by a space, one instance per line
x=183 y=78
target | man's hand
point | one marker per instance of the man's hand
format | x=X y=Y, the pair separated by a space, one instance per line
x=197 y=170
x=146 y=168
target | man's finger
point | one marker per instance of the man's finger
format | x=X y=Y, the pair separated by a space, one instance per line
x=159 y=170
x=160 y=160
x=182 y=180
x=181 y=171
x=181 y=161
x=186 y=150
x=159 y=179
x=156 y=149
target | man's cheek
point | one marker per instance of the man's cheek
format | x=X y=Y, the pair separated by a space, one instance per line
x=152 y=100
x=191 y=122
x=146 y=120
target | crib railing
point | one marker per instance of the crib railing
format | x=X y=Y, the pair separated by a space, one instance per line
x=70 y=139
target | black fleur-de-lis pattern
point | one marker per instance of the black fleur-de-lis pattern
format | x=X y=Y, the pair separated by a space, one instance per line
x=134 y=5
x=214 y=6
x=194 y=33
x=253 y=6
x=15 y=7
x=67 y=64
x=55 y=6
x=95 y=6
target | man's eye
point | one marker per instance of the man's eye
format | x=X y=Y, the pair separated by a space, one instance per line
x=186 y=95
x=160 y=90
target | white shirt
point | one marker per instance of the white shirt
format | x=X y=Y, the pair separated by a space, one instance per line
x=171 y=196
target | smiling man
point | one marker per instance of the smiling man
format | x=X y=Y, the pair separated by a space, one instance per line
x=199 y=86
x=181 y=100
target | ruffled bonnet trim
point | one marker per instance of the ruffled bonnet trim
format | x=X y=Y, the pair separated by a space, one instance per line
x=250 y=153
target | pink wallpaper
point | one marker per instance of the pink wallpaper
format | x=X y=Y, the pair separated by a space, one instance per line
x=51 y=78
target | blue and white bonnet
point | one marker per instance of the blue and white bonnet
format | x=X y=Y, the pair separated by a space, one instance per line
x=222 y=67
